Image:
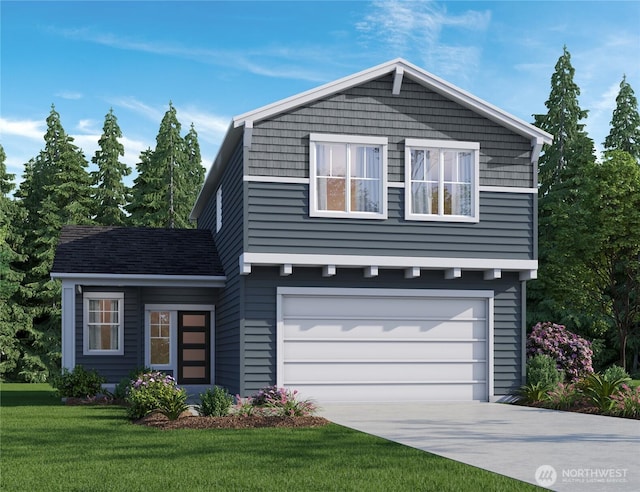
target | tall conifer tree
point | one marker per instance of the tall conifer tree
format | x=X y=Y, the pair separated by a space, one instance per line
x=625 y=123
x=110 y=193
x=56 y=191
x=169 y=178
x=14 y=322
x=556 y=294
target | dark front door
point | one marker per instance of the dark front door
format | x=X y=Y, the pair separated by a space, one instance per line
x=194 y=347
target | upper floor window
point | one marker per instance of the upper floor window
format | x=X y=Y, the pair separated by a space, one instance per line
x=348 y=176
x=103 y=323
x=441 y=180
x=219 y=209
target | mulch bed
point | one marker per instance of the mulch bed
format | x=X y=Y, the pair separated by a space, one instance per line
x=186 y=421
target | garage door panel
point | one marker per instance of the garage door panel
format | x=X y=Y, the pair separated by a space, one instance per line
x=445 y=308
x=378 y=393
x=382 y=350
x=385 y=371
x=331 y=327
x=390 y=347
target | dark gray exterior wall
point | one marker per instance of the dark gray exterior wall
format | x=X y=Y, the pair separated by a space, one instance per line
x=230 y=301
x=259 y=364
x=280 y=145
x=279 y=222
x=117 y=367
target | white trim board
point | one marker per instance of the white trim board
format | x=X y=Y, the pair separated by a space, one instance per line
x=390 y=184
x=119 y=280
x=527 y=268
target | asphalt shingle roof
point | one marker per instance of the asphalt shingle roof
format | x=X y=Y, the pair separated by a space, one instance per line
x=136 y=251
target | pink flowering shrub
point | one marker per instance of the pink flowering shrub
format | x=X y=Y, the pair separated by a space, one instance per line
x=626 y=402
x=152 y=391
x=274 y=401
x=572 y=353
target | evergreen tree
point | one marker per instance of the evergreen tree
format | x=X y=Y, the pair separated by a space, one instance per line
x=625 y=123
x=56 y=191
x=193 y=170
x=110 y=193
x=558 y=293
x=13 y=320
x=169 y=178
x=571 y=146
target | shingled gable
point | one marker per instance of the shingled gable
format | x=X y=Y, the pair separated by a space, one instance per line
x=242 y=125
x=136 y=254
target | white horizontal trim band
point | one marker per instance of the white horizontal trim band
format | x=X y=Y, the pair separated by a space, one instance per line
x=356 y=261
x=275 y=179
x=386 y=340
x=109 y=279
x=508 y=189
x=385 y=361
x=369 y=382
x=329 y=317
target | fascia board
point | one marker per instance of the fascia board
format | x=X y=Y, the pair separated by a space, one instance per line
x=140 y=280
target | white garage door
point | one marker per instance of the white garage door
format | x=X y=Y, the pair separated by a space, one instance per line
x=385 y=345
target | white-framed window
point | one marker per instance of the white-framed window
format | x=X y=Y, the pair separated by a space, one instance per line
x=219 y=209
x=103 y=323
x=160 y=335
x=348 y=176
x=442 y=180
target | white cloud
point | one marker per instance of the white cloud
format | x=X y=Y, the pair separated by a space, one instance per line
x=88 y=126
x=131 y=103
x=415 y=28
x=211 y=128
x=31 y=129
x=72 y=95
x=268 y=62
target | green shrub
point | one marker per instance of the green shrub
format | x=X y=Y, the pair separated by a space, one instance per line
x=78 y=383
x=215 y=402
x=544 y=370
x=121 y=389
x=599 y=390
x=148 y=391
x=614 y=372
x=278 y=401
x=172 y=401
x=533 y=393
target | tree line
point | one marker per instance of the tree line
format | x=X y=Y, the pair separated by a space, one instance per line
x=588 y=224
x=58 y=189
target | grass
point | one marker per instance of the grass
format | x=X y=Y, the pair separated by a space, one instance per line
x=48 y=446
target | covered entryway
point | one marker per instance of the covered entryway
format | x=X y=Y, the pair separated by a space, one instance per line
x=380 y=345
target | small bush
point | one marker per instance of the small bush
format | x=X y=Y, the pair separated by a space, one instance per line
x=274 y=401
x=615 y=372
x=121 y=389
x=599 y=390
x=626 y=402
x=215 y=402
x=172 y=401
x=563 y=396
x=543 y=369
x=78 y=383
x=533 y=393
x=148 y=391
x=572 y=353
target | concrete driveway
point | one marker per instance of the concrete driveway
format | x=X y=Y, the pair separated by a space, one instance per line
x=559 y=450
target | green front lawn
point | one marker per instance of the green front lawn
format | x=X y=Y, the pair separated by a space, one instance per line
x=47 y=446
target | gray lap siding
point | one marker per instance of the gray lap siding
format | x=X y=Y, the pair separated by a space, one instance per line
x=280 y=145
x=117 y=367
x=229 y=243
x=259 y=356
x=279 y=222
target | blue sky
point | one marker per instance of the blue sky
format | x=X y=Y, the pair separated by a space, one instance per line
x=217 y=59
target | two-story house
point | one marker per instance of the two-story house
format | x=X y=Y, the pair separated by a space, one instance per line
x=367 y=240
